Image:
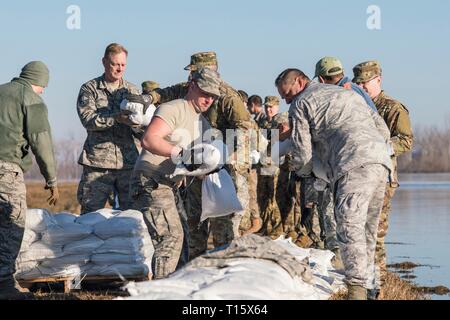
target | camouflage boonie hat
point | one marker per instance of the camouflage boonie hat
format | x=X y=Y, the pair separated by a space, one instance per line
x=280 y=118
x=148 y=86
x=329 y=66
x=202 y=59
x=208 y=81
x=271 y=101
x=366 y=71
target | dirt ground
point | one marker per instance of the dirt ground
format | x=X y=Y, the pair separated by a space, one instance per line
x=37 y=197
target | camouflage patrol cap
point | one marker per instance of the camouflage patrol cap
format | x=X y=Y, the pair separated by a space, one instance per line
x=148 y=86
x=207 y=80
x=202 y=59
x=329 y=66
x=366 y=71
x=280 y=118
x=271 y=101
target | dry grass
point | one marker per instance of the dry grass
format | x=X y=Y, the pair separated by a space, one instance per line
x=37 y=197
x=394 y=289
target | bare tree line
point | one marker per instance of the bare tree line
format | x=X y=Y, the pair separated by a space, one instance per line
x=431 y=152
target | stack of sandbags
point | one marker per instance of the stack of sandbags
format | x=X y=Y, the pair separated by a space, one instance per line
x=102 y=243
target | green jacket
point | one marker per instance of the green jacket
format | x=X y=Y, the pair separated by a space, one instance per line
x=23 y=126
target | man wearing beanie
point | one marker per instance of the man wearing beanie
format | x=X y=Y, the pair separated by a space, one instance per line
x=24 y=127
x=110 y=150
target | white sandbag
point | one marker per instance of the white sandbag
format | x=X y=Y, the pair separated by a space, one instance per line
x=122 y=245
x=26 y=266
x=66 y=233
x=103 y=259
x=87 y=245
x=29 y=237
x=93 y=218
x=137 y=115
x=64 y=218
x=39 y=251
x=219 y=197
x=68 y=260
x=39 y=219
x=125 y=224
x=43 y=272
x=122 y=270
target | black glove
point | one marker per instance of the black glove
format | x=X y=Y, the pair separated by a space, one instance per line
x=144 y=99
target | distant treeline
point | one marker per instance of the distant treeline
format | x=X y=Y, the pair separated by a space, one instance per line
x=431 y=154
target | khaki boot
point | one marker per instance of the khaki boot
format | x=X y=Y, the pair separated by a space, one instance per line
x=356 y=293
x=336 y=262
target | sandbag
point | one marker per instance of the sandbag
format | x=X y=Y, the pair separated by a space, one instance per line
x=116 y=258
x=87 y=245
x=124 y=270
x=93 y=218
x=68 y=260
x=64 y=234
x=219 y=197
x=64 y=218
x=39 y=251
x=124 y=245
x=39 y=220
x=125 y=224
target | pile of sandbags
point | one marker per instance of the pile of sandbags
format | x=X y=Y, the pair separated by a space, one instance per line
x=249 y=269
x=103 y=243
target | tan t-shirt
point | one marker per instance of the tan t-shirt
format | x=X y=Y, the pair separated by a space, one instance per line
x=187 y=129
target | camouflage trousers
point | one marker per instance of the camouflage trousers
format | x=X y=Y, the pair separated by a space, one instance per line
x=358 y=199
x=328 y=221
x=253 y=212
x=380 y=251
x=13 y=208
x=223 y=229
x=272 y=225
x=97 y=185
x=311 y=221
x=165 y=218
x=288 y=200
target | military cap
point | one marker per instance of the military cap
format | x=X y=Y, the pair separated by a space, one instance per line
x=329 y=66
x=202 y=59
x=280 y=118
x=366 y=71
x=36 y=72
x=148 y=86
x=271 y=101
x=207 y=80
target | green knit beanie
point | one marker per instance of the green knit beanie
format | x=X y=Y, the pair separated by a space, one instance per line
x=36 y=72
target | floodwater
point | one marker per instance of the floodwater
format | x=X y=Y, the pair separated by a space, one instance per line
x=419 y=229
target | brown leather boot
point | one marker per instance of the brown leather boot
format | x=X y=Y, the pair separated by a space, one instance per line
x=356 y=292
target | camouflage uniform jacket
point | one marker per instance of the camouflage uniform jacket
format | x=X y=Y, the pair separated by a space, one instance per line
x=109 y=145
x=261 y=119
x=24 y=127
x=396 y=116
x=336 y=125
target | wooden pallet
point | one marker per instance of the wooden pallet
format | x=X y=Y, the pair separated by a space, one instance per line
x=74 y=283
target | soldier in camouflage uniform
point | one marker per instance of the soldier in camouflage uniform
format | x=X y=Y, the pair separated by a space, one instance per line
x=396 y=116
x=255 y=107
x=149 y=86
x=153 y=191
x=24 y=127
x=351 y=141
x=268 y=174
x=228 y=112
x=110 y=150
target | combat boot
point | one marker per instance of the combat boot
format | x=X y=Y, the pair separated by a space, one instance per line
x=356 y=293
x=373 y=294
x=336 y=262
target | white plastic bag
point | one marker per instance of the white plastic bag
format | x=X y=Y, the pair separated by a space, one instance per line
x=93 y=218
x=219 y=197
x=60 y=235
x=39 y=220
x=85 y=246
x=64 y=218
x=125 y=224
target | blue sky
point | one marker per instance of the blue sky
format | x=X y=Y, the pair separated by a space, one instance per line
x=254 y=41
